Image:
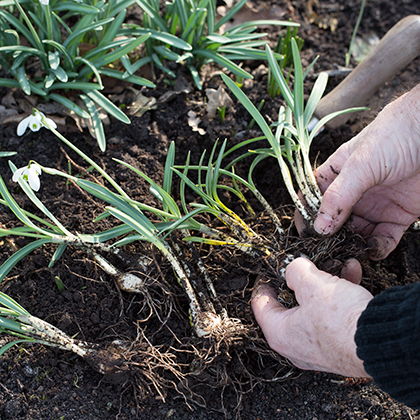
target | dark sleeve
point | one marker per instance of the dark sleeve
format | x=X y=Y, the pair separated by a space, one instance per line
x=388 y=342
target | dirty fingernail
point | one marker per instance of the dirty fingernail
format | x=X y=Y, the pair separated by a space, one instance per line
x=379 y=247
x=324 y=224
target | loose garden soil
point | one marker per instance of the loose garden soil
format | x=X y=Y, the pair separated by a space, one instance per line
x=245 y=380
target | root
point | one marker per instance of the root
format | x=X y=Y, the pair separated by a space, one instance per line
x=151 y=368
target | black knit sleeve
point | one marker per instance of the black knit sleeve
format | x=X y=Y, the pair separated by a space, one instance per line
x=388 y=342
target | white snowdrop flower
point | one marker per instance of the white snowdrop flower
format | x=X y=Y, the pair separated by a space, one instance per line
x=30 y=174
x=45 y=2
x=34 y=122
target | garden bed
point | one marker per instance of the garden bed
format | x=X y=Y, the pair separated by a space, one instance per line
x=38 y=382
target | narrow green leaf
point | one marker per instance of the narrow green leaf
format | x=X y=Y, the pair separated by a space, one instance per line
x=17 y=256
x=250 y=107
x=69 y=104
x=219 y=59
x=22 y=80
x=75 y=7
x=119 y=52
x=107 y=105
x=10 y=303
x=63 y=50
x=96 y=121
x=315 y=96
x=132 y=79
x=153 y=14
x=54 y=59
x=60 y=74
x=278 y=75
x=76 y=85
x=57 y=254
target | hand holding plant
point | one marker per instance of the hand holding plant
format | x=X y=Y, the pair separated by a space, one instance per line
x=375 y=176
x=319 y=333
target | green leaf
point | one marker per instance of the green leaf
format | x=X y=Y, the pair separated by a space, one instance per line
x=261 y=23
x=33 y=51
x=57 y=254
x=132 y=79
x=22 y=80
x=250 y=107
x=69 y=104
x=139 y=226
x=77 y=7
x=166 y=53
x=7 y=346
x=76 y=85
x=60 y=74
x=315 y=96
x=278 y=75
x=107 y=105
x=17 y=256
x=54 y=59
x=18 y=25
x=119 y=52
x=196 y=76
x=113 y=29
x=6 y=154
x=77 y=34
x=153 y=14
x=96 y=122
x=219 y=59
x=10 y=303
x=106 y=235
x=329 y=117
x=92 y=67
x=60 y=48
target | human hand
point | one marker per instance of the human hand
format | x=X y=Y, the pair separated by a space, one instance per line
x=376 y=177
x=319 y=333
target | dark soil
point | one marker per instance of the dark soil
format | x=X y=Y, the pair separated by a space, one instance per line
x=38 y=382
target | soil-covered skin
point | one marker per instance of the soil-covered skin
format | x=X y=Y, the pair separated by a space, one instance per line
x=244 y=378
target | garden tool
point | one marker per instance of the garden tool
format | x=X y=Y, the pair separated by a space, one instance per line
x=399 y=46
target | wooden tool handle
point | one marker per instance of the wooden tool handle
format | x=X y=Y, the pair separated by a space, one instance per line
x=397 y=48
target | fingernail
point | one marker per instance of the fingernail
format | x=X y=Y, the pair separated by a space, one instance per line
x=324 y=224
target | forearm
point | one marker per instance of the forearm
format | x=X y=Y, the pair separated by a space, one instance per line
x=388 y=341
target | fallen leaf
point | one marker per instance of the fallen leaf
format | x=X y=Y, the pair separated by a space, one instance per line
x=182 y=85
x=217 y=99
x=193 y=122
x=141 y=104
x=6 y=113
x=9 y=100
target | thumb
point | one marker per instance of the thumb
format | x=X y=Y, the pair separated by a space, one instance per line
x=341 y=195
x=267 y=309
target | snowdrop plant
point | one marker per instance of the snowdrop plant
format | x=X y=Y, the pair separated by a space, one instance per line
x=68 y=47
x=136 y=226
x=291 y=140
x=194 y=22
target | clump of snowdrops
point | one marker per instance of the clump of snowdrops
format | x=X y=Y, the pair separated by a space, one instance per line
x=51 y=48
x=62 y=50
x=195 y=22
x=174 y=228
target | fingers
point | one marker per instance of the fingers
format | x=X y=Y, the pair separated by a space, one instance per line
x=352 y=271
x=382 y=238
x=340 y=197
x=268 y=311
x=302 y=276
